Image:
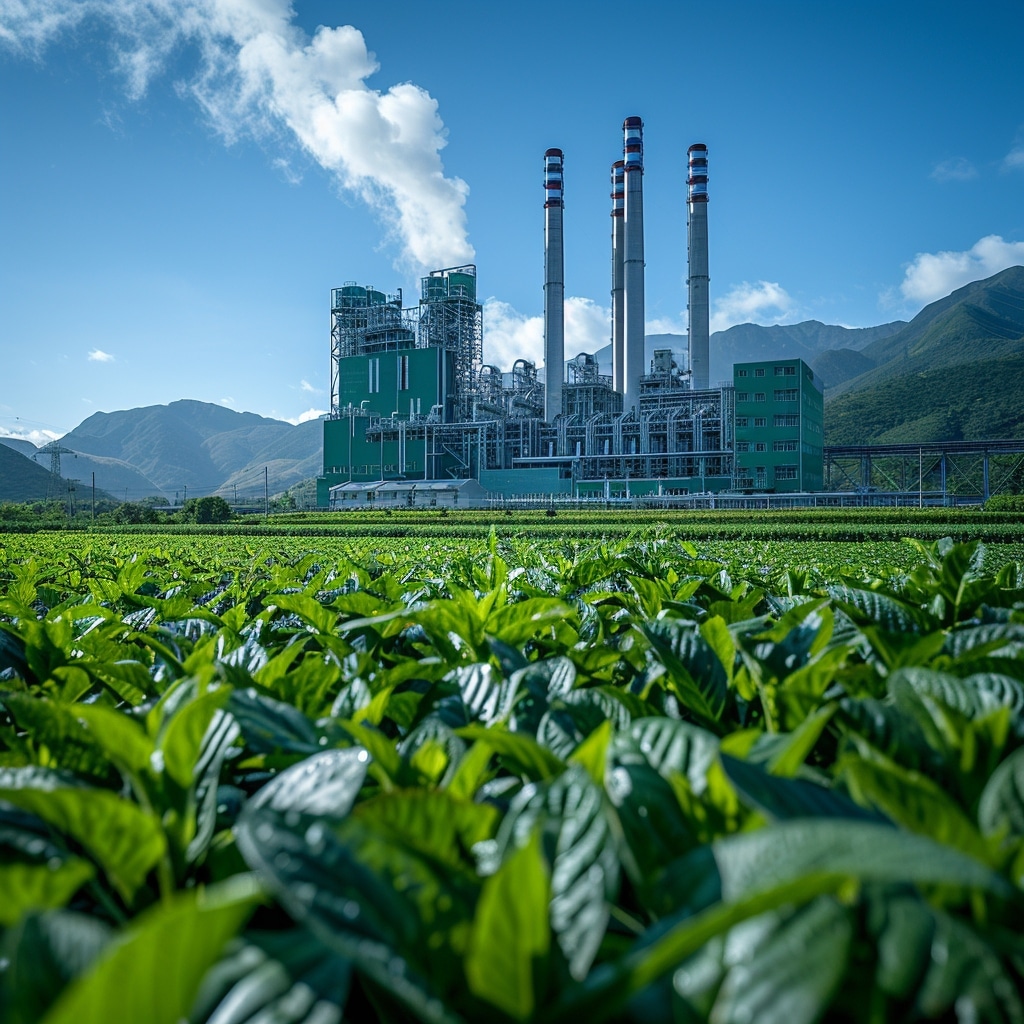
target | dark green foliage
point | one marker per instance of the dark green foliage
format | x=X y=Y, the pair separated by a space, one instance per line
x=506 y=780
x=211 y=509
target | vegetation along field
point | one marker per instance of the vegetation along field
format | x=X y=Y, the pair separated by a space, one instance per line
x=544 y=770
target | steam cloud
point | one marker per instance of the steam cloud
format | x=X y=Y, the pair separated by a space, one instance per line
x=260 y=75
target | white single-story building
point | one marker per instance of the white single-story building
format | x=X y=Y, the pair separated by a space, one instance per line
x=408 y=494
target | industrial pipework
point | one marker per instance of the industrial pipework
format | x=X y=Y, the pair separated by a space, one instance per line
x=554 y=285
x=697 y=259
x=618 y=225
x=633 y=260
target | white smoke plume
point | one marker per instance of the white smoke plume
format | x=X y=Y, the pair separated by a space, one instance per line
x=259 y=75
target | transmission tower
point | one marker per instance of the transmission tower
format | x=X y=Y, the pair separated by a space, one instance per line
x=55 y=450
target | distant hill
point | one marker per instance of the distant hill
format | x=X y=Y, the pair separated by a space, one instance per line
x=747 y=343
x=955 y=372
x=201 y=447
x=19 y=444
x=21 y=479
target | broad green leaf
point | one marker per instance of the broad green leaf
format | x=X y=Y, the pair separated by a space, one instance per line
x=580 y=843
x=153 y=971
x=520 y=751
x=275 y=978
x=783 y=799
x=785 y=970
x=126 y=840
x=1001 y=807
x=510 y=936
x=31 y=887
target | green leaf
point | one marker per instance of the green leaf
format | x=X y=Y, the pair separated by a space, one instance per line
x=25 y=887
x=913 y=801
x=786 y=966
x=1001 y=807
x=275 y=978
x=153 y=972
x=674 y=747
x=782 y=799
x=581 y=847
x=520 y=751
x=510 y=936
x=126 y=840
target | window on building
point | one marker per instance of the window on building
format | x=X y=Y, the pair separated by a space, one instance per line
x=403 y=373
x=741 y=373
x=786 y=394
x=760 y=421
x=785 y=371
x=743 y=446
x=373 y=385
x=785 y=472
x=787 y=420
x=784 y=446
x=742 y=396
x=742 y=421
x=762 y=446
x=759 y=372
x=758 y=396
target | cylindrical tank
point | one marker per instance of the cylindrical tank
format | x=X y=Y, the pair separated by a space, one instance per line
x=633 y=260
x=697 y=281
x=618 y=226
x=554 y=285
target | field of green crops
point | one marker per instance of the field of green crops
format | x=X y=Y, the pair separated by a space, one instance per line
x=438 y=771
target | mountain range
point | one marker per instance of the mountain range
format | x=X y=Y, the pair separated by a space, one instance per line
x=954 y=372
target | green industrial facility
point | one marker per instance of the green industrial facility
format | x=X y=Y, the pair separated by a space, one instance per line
x=413 y=403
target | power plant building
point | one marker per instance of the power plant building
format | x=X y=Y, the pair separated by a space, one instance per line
x=412 y=399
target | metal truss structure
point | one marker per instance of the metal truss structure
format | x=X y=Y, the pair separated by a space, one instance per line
x=954 y=469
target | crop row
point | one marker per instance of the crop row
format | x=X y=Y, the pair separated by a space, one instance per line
x=509 y=780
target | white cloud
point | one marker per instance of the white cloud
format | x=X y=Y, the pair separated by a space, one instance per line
x=666 y=325
x=957 y=169
x=511 y=335
x=306 y=386
x=752 y=303
x=259 y=75
x=97 y=355
x=309 y=414
x=932 y=276
x=1014 y=160
x=37 y=437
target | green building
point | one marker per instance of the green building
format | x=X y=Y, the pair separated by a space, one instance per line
x=396 y=376
x=779 y=428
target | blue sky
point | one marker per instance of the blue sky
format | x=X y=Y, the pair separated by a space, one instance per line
x=183 y=181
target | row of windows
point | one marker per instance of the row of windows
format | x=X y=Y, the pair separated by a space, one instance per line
x=761 y=472
x=779 y=420
x=780 y=395
x=780 y=371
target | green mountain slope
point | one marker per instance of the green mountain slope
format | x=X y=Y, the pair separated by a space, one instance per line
x=201 y=448
x=974 y=401
x=837 y=365
x=21 y=479
x=955 y=372
x=983 y=320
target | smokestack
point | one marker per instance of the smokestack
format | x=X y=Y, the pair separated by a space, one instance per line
x=618 y=226
x=554 y=285
x=697 y=282
x=633 y=259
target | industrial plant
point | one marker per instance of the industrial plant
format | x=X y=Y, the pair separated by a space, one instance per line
x=418 y=418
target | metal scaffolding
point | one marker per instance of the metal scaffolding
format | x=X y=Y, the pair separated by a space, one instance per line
x=450 y=318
